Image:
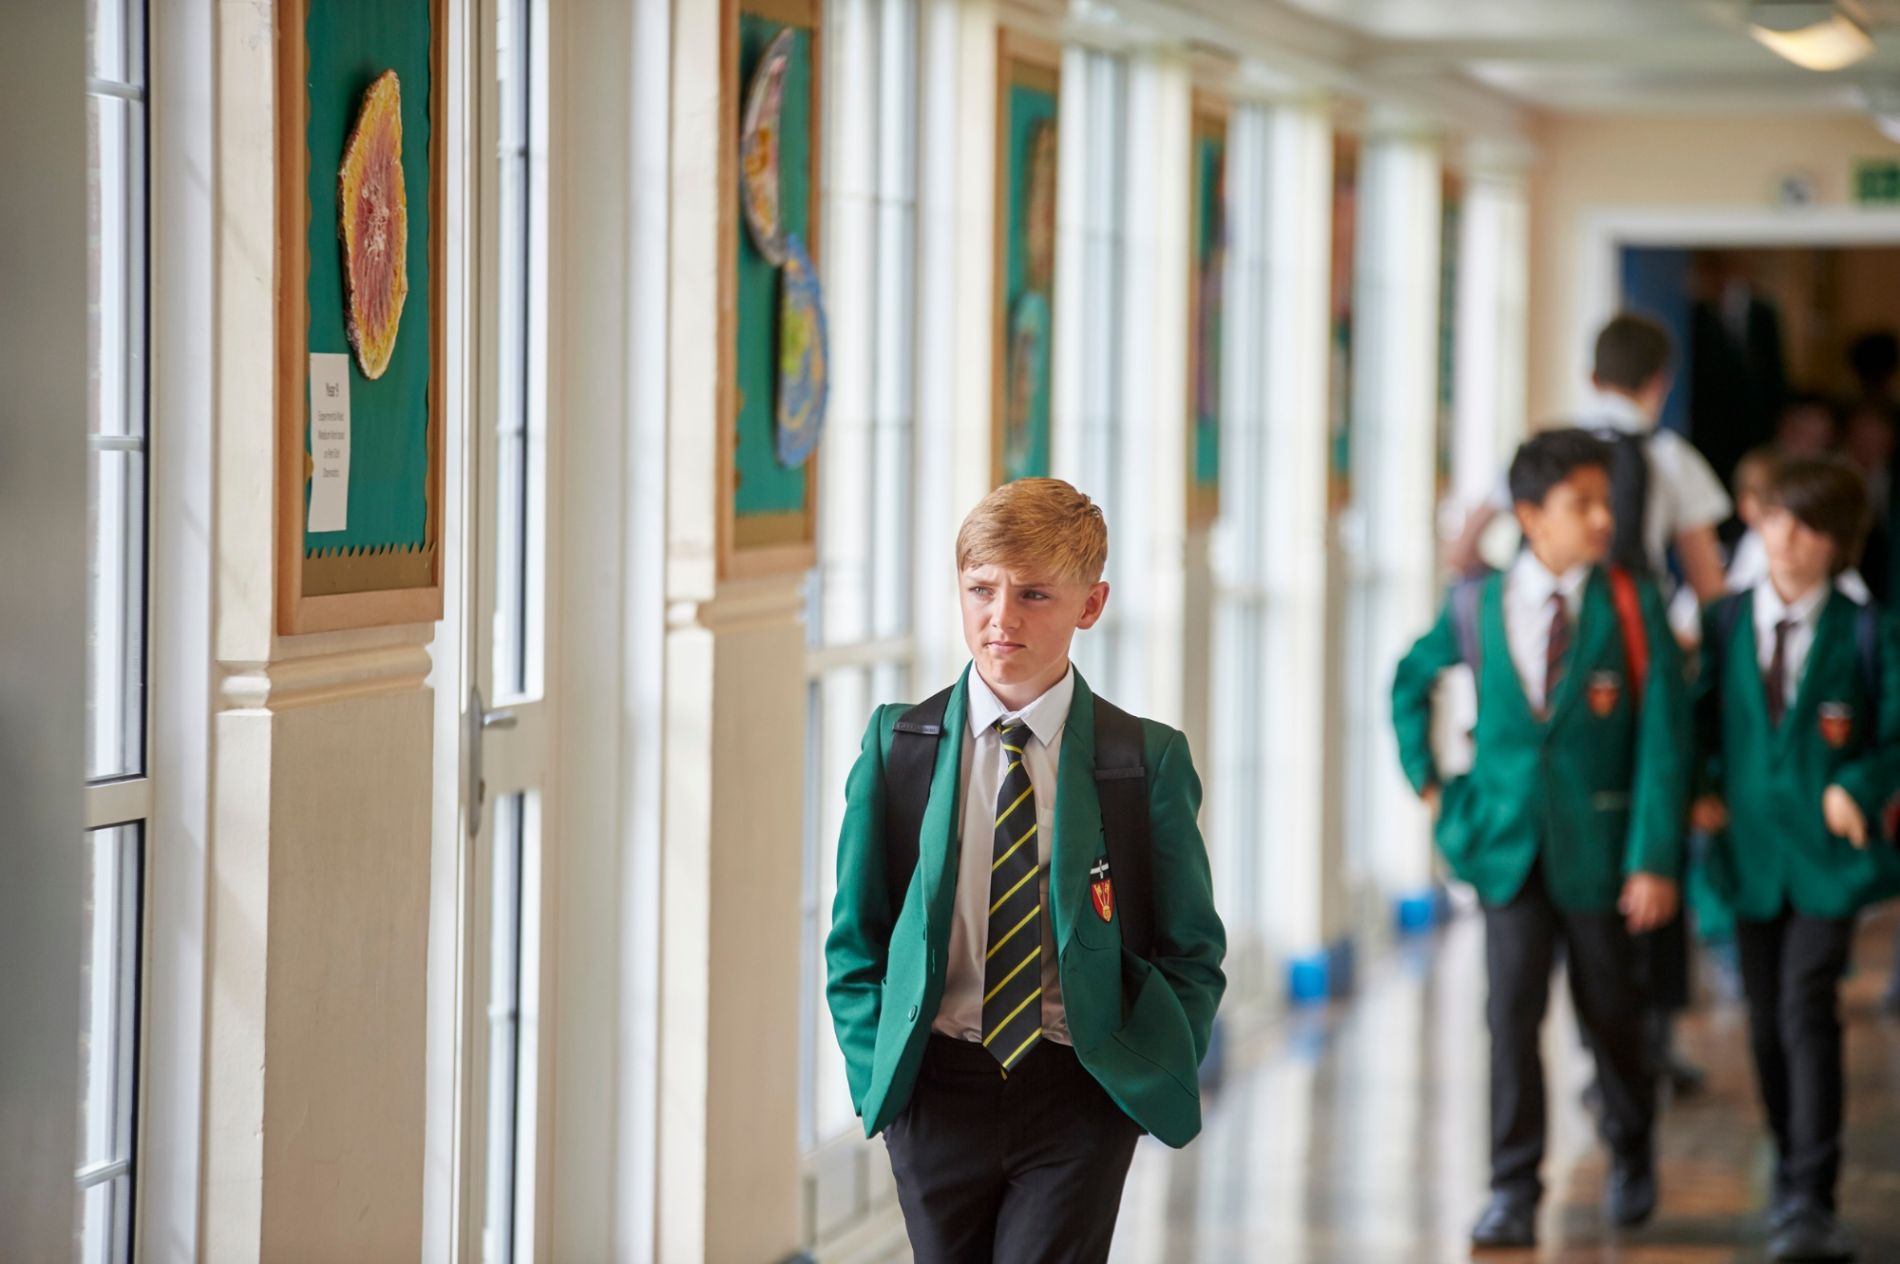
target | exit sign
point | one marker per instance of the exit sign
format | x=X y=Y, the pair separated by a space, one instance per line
x=1877 y=181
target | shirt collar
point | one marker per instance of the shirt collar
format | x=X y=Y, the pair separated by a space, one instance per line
x=1045 y=716
x=1534 y=580
x=1616 y=411
x=1806 y=608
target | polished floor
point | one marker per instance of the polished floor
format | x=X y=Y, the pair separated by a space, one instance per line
x=1356 y=1135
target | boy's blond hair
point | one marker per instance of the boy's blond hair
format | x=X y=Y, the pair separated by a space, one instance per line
x=1035 y=524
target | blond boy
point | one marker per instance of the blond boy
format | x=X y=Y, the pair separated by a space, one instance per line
x=1024 y=959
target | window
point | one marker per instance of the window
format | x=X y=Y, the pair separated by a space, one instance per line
x=118 y=796
x=1091 y=268
x=859 y=600
x=512 y=561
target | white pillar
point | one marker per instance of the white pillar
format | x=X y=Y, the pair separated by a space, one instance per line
x=1493 y=267
x=1395 y=455
x=1297 y=826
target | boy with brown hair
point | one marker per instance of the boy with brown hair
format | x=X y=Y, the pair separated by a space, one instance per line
x=1024 y=959
x=1799 y=716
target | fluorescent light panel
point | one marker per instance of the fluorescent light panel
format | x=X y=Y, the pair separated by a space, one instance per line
x=1814 y=36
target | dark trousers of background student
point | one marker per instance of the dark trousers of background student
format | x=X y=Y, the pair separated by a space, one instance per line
x=1028 y=1168
x=1791 y=971
x=1521 y=943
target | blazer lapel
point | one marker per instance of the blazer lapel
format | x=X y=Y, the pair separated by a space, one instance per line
x=1495 y=644
x=936 y=849
x=1078 y=833
x=1595 y=621
x=1830 y=640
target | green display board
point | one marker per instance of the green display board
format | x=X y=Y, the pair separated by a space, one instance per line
x=1210 y=251
x=1027 y=300
x=349 y=43
x=765 y=487
x=1877 y=182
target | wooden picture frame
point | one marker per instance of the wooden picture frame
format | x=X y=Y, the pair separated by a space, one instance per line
x=363 y=583
x=1033 y=63
x=1208 y=115
x=754 y=545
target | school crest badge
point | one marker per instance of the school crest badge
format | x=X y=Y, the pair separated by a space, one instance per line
x=1103 y=890
x=1605 y=688
x=1837 y=724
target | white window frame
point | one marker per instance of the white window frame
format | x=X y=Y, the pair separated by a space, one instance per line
x=861 y=596
x=120 y=798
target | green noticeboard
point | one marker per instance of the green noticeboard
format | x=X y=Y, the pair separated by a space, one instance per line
x=349 y=44
x=766 y=489
x=1028 y=298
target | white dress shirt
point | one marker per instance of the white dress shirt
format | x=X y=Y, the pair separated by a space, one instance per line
x=1684 y=492
x=1528 y=587
x=984 y=761
x=1805 y=611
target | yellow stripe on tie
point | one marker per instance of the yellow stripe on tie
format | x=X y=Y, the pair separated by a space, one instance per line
x=1013 y=846
x=1012 y=807
x=1036 y=952
x=1019 y=1009
x=1012 y=932
x=1014 y=750
x=1012 y=768
x=1004 y=898
x=1010 y=1061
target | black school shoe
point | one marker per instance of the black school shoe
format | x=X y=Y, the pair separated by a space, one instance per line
x=1507 y=1222
x=1808 y=1231
x=1629 y=1196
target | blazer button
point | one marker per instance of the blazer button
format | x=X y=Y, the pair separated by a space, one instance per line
x=913 y=1013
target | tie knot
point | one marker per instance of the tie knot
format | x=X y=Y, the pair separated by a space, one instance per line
x=1786 y=626
x=1556 y=603
x=1009 y=728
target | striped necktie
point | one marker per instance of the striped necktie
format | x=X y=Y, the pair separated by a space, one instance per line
x=1555 y=650
x=1012 y=970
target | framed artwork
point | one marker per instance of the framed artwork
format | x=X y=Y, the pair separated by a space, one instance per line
x=359 y=251
x=1028 y=96
x=1345 y=238
x=1207 y=270
x=773 y=367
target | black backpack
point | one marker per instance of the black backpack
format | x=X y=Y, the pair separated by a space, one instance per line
x=1629 y=499
x=1121 y=790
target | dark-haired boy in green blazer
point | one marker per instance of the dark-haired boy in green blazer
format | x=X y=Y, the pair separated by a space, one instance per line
x=1799 y=716
x=1569 y=824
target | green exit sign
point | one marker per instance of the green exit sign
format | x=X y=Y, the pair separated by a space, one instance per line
x=1877 y=181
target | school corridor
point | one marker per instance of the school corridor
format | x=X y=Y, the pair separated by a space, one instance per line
x=595 y=594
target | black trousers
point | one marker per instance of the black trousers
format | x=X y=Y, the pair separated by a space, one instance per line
x=1791 y=971
x=1521 y=943
x=1028 y=1168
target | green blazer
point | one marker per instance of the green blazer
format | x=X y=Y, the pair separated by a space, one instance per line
x=1598 y=790
x=1777 y=850
x=1140 y=1027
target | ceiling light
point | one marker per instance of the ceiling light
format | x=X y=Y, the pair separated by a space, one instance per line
x=1813 y=34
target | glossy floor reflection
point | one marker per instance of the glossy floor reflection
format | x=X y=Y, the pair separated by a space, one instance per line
x=1356 y=1135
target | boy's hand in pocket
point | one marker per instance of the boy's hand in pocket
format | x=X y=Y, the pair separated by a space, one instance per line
x=1844 y=817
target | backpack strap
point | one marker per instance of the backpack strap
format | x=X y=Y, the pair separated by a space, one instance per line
x=1121 y=790
x=1867 y=652
x=908 y=770
x=1629 y=614
x=1467 y=612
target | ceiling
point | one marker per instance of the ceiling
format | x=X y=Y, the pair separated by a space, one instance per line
x=1596 y=55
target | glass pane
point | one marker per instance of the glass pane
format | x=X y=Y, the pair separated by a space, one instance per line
x=115 y=694
x=115 y=616
x=519 y=468
x=112 y=41
x=108 y=1040
x=504 y=1026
